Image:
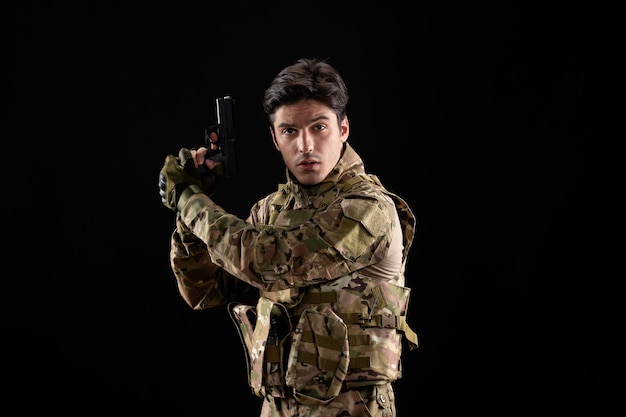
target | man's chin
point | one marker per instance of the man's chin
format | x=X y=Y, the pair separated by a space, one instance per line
x=309 y=178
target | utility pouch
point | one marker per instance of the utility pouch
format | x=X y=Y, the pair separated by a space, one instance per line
x=263 y=330
x=319 y=357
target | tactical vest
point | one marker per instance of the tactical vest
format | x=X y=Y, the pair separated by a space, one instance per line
x=315 y=341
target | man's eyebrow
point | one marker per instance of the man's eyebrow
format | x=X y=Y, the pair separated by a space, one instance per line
x=320 y=117
x=313 y=120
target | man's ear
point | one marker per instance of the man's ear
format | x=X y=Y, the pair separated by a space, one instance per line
x=274 y=138
x=345 y=129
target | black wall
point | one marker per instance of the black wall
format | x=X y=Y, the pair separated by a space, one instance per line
x=480 y=116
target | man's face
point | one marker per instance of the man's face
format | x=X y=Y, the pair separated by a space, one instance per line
x=309 y=139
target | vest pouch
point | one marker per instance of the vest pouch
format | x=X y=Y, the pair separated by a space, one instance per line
x=319 y=357
x=264 y=331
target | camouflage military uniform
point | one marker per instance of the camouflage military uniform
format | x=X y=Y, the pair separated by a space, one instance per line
x=325 y=337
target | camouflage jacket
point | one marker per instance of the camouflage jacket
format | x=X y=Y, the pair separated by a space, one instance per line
x=320 y=323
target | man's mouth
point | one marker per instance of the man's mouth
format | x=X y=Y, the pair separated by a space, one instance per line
x=308 y=164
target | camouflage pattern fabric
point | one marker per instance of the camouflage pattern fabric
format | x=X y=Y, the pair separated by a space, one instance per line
x=368 y=401
x=339 y=344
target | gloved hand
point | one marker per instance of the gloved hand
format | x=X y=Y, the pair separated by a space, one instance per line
x=179 y=180
x=211 y=178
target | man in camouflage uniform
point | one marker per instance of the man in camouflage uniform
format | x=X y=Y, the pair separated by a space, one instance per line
x=324 y=254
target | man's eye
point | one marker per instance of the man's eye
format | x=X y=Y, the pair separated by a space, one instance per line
x=320 y=127
x=288 y=131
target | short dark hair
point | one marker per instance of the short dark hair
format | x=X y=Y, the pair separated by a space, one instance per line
x=307 y=78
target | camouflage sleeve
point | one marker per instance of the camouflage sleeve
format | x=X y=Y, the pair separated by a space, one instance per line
x=303 y=249
x=201 y=283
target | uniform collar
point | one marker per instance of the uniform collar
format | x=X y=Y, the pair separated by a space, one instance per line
x=349 y=163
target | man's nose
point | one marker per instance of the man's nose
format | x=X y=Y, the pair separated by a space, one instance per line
x=306 y=143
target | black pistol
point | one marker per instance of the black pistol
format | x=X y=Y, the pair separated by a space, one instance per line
x=226 y=151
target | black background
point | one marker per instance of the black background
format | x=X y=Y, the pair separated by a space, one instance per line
x=478 y=115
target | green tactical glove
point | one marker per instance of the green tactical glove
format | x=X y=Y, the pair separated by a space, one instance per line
x=178 y=180
x=211 y=178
